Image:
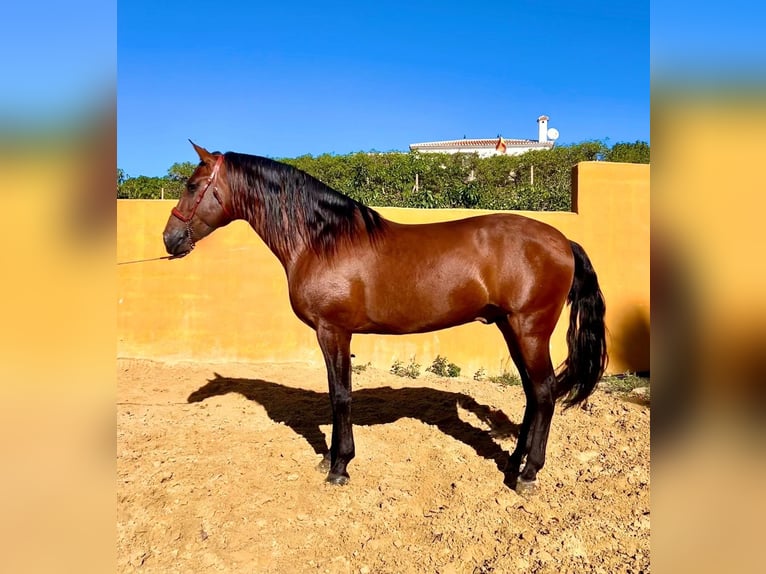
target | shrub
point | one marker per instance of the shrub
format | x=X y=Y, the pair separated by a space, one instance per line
x=360 y=368
x=538 y=180
x=412 y=370
x=506 y=379
x=441 y=367
x=623 y=383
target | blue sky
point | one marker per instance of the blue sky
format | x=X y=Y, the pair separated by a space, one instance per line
x=58 y=59
x=294 y=78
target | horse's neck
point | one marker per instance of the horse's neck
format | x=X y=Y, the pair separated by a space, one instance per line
x=284 y=251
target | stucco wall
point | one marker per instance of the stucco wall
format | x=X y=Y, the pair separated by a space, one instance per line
x=227 y=301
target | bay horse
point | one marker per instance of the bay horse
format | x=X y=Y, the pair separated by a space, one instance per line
x=349 y=270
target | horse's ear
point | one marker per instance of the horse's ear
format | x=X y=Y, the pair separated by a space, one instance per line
x=204 y=155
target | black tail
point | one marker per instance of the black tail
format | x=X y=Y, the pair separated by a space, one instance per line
x=586 y=336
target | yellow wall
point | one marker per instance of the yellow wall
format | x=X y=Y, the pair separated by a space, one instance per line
x=227 y=301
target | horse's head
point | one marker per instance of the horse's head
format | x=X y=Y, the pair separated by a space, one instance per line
x=203 y=206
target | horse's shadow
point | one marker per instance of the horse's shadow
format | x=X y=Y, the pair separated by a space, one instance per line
x=304 y=411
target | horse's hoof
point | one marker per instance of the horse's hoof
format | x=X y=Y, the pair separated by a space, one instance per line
x=526 y=487
x=337 y=479
x=324 y=464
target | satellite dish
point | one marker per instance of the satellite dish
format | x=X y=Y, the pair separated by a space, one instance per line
x=553 y=134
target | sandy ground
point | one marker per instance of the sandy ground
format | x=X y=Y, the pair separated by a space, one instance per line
x=216 y=471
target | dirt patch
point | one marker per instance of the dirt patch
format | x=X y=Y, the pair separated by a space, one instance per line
x=216 y=471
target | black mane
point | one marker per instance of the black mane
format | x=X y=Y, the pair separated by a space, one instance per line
x=285 y=203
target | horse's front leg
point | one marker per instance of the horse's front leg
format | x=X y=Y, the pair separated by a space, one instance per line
x=336 y=348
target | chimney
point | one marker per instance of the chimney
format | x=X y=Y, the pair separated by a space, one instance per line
x=542 y=129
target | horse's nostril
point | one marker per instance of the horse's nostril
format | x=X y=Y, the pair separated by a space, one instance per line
x=172 y=241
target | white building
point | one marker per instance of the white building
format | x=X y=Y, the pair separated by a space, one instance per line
x=493 y=146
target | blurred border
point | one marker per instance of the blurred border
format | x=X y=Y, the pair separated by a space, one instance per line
x=708 y=287
x=57 y=346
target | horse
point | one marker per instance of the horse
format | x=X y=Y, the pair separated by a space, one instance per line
x=349 y=270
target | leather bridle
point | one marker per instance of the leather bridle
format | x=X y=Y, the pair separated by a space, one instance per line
x=201 y=194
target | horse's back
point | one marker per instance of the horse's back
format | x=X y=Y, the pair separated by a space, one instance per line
x=493 y=239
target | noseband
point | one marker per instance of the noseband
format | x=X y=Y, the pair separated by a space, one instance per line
x=201 y=195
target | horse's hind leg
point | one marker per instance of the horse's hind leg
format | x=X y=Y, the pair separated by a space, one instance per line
x=543 y=382
x=532 y=357
x=522 y=443
x=335 y=345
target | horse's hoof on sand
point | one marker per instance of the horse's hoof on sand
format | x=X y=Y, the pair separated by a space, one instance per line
x=337 y=479
x=526 y=487
x=324 y=465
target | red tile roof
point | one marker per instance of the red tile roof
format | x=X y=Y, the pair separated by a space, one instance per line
x=480 y=143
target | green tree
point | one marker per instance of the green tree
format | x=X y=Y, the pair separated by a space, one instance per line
x=181 y=171
x=141 y=187
x=121 y=177
x=537 y=180
x=175 y=180
x=637 y=152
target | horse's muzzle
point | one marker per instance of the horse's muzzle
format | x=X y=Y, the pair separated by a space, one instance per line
x=177 y=243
